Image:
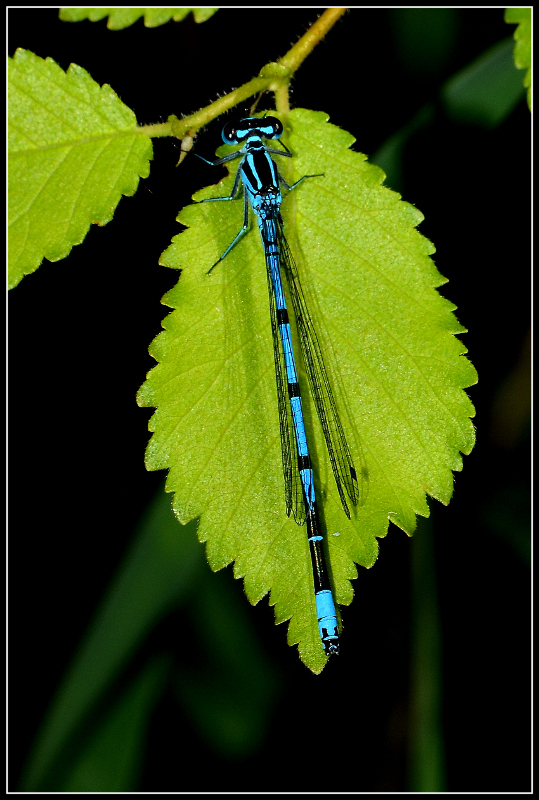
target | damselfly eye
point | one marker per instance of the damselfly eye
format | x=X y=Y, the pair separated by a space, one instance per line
x=276 y=124
x=229 y=132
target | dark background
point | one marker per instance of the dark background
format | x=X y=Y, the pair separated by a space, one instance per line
x=79 y=330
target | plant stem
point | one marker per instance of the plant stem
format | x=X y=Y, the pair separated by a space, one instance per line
x=299 y=52
x=274 y=77
x=426 y=743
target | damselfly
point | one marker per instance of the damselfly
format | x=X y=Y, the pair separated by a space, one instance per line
x=261 y=183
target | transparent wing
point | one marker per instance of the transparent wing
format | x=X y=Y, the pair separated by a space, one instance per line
x=292 y=481
x=338 y=450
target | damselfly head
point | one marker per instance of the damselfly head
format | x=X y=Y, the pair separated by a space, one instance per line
x=264 y=127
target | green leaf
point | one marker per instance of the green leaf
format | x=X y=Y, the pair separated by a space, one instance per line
x=111 y=761
x=487 y=90
x=74 y=149
x=397 y=370
x=230 y=691
x=158 y=571
x=124 y=17
x=523 y=47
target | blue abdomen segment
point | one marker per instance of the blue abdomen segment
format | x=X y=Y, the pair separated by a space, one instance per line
x=288 y=352
x=327 y=621
x=299 y=426
x=307 y=480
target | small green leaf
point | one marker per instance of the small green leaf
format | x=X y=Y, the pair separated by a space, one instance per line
x=397 y=369
x=523 y=47
x=74 y=150
x=120 y=18
x=487 y=90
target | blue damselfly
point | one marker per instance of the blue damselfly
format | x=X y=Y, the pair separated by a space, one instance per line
x=261 y=183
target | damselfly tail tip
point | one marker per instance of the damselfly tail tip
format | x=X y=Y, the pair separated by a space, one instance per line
x=331 y=648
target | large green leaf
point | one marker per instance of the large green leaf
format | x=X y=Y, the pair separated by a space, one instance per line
x=397 y=370
x=120 y=18
x=523 y=46
x=74 y=150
